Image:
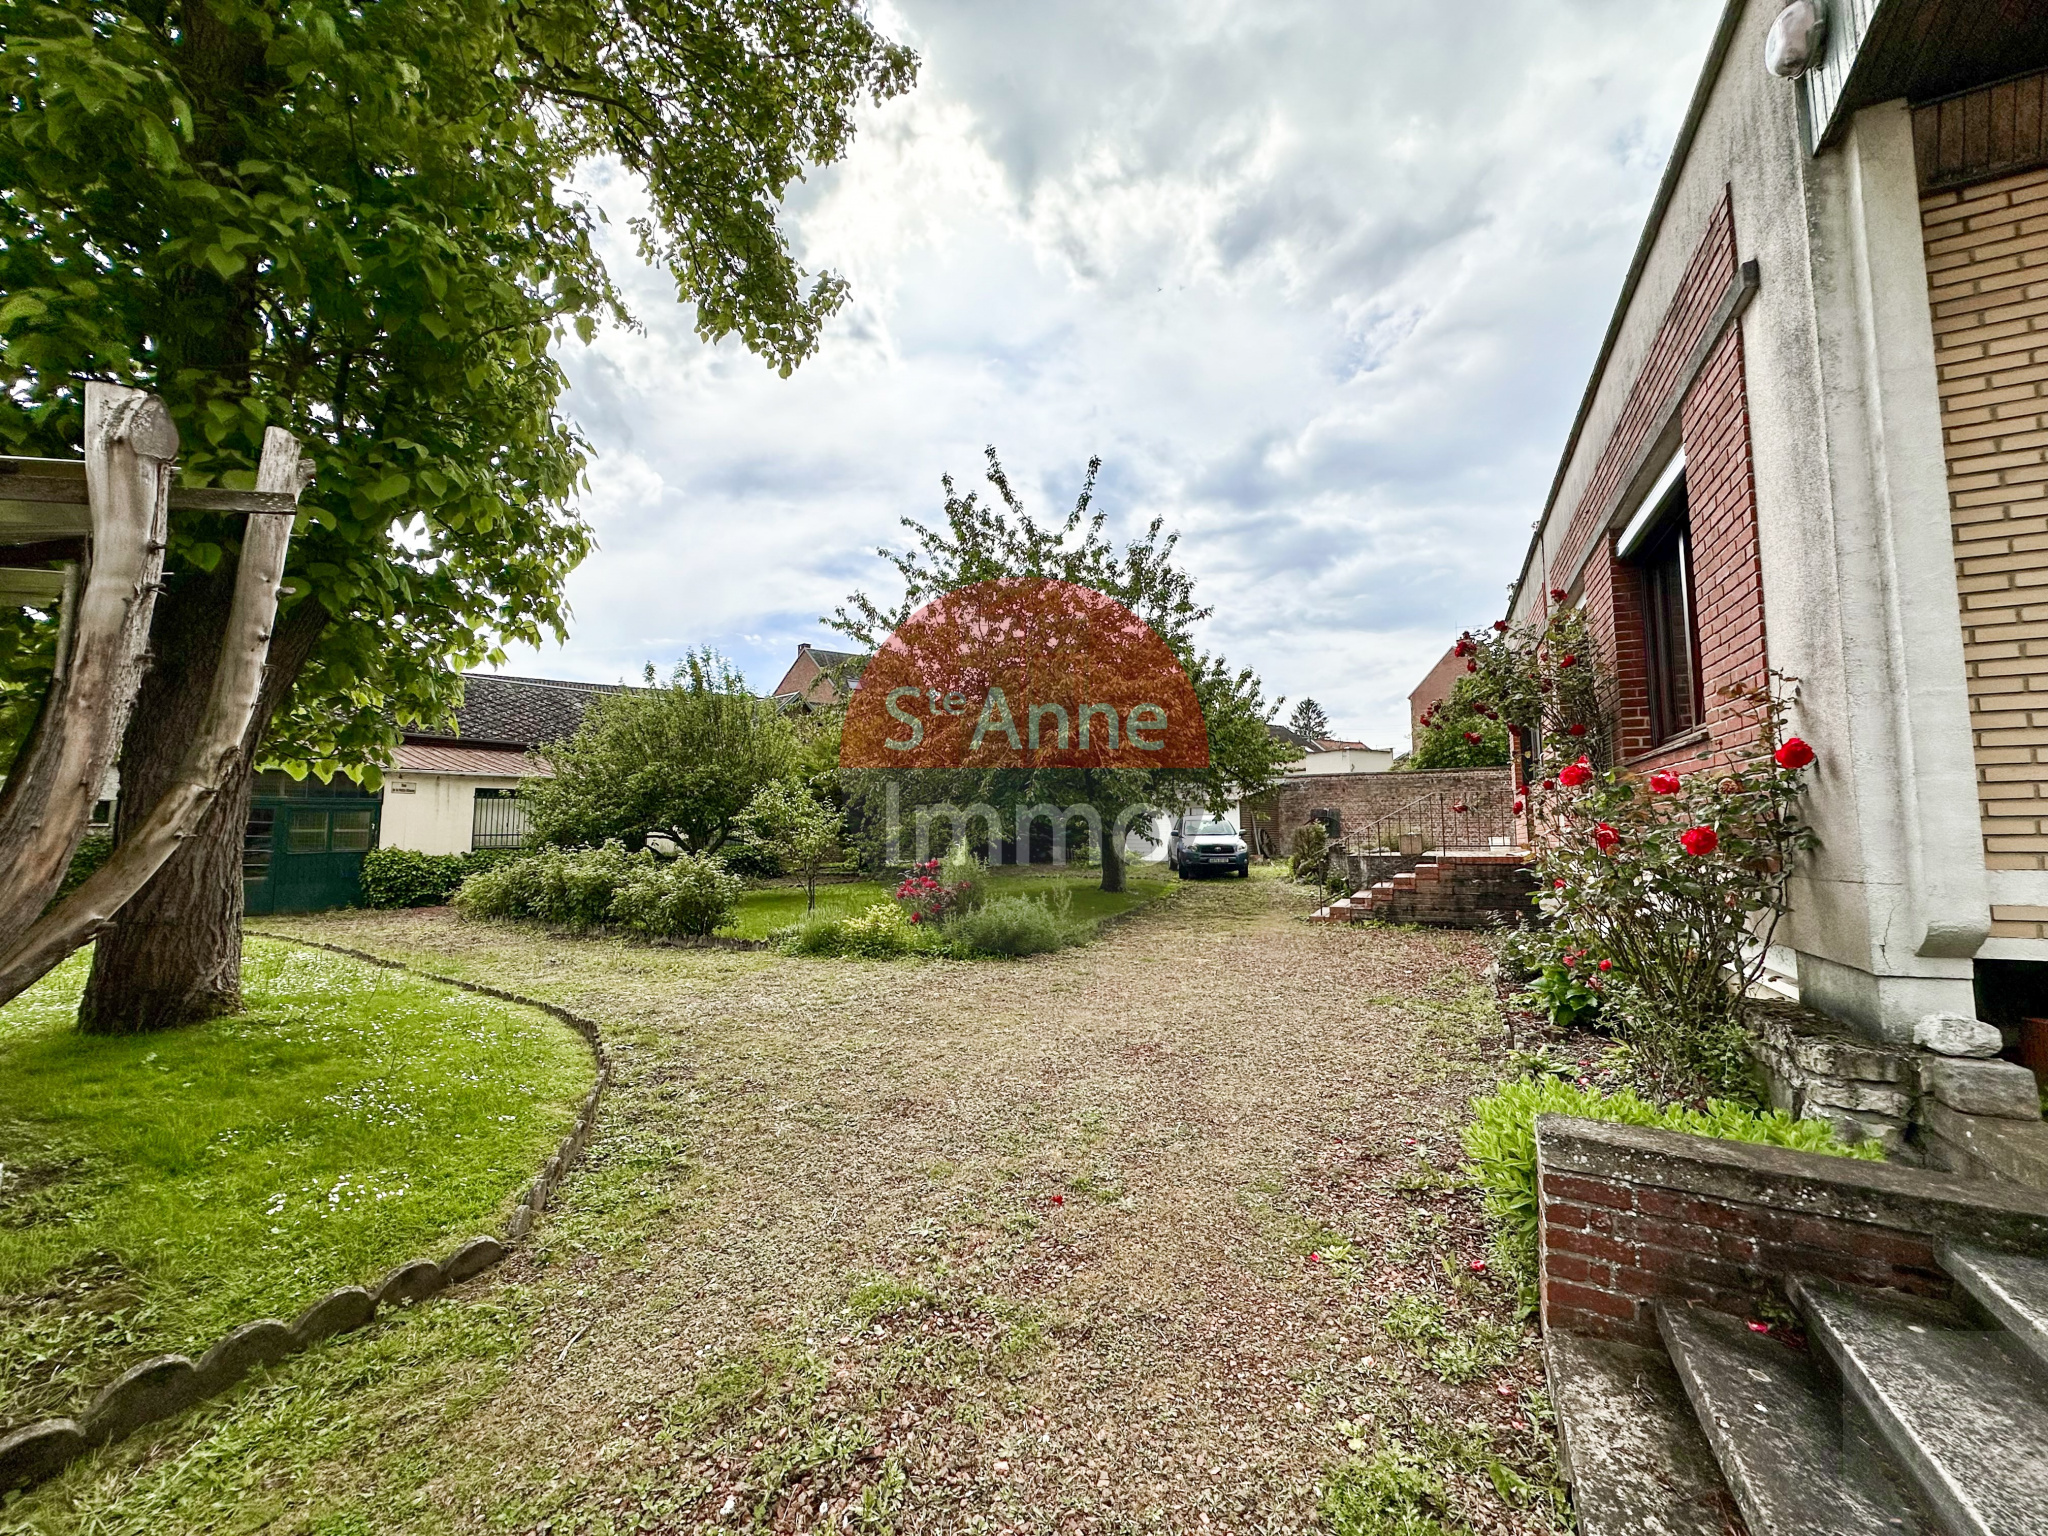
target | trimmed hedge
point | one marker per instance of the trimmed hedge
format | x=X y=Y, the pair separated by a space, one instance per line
x=688 y=896
x=401 y=877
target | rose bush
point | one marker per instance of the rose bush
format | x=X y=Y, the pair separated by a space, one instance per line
x=1676 y=886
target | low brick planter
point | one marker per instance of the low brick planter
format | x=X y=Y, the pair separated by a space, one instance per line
x=1629 y=1217
x=167 y=1385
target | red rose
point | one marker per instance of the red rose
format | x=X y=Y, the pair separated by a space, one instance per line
x=1699 y=841
x=1576 y=728
x=1557 y=885
x=1664 y=782
x=1471 y=666
x=1567 y=661
x=1472 y=737
x=1606 y=965
x=1550 y=783
x=1794 y=754
x=1575 y=775
x=1518 y=807
x=1460 y=648
x=1461 y=807
x=1605 y=836
x=1500 y=626
x=1557 y=594
x=1059 y=1199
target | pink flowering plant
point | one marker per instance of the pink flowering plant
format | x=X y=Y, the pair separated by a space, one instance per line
x=937 y=889
x=1666 y=889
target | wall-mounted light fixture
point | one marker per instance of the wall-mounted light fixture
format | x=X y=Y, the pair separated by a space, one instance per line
x=1796 y=38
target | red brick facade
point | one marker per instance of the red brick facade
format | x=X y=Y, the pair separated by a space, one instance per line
x=1721 y=492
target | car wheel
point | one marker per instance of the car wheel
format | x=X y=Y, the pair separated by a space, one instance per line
x=1244 y=871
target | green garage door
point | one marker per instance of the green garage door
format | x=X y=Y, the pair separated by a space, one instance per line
x=303 y=851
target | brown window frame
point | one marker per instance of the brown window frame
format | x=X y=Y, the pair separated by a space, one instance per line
x=1663 y=561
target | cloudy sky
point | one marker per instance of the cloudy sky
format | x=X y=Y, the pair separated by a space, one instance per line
x=1320 y=280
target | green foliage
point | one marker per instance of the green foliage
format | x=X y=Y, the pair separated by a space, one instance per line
x=877 y=932
x=360 y=222
x=1391 y=1494
x=403 y=877
x=1014 y=926
x=680 y=760
x=1455 y=1349
x=1310 y=720
x=1685 y=926
x=1549 y=679
x=1500 y=1140
x=1308 y=853
x=1561 y=994
x=590 y=888
x=1460 y=731
x=93 y=850
x=786 y=819
x=686 y=897
x=165 y=1188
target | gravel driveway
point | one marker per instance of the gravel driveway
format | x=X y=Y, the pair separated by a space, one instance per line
x=1157 y=1234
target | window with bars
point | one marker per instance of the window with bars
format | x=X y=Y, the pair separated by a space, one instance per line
x=499 y=820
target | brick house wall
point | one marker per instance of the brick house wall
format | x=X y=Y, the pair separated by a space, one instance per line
x=1987 y=273
x=1714 y=433
x=1434 y=688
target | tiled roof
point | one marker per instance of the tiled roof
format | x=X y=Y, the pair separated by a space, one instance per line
x=517 y=711
x=472 y=762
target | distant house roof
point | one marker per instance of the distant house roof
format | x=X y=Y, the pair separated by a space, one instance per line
x=1289 y=734
x=809 y=678
x=522 y=712
x=470 y=762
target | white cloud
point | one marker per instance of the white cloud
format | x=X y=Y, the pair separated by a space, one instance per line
x=1320 y=280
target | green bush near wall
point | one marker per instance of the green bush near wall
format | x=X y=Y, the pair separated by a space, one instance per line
x=402 y=877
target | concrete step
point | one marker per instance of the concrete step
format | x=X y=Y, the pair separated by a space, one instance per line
x=1795 y=1465
x=1963 y=1410
x=1633 y=1453
x=2010 y=1286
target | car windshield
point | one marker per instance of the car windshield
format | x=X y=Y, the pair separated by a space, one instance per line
x=1196 y=828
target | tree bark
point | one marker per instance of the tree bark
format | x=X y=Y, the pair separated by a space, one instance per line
x=130 y=444
x=1112 y=859
x=174 y=954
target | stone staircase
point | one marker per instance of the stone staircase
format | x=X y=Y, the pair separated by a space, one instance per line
x=1915 y=1415
x=1455 y=888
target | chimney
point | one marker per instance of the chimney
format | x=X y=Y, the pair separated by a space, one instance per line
x=802 y=646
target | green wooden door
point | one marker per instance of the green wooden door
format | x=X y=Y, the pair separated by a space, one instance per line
x=303 y=850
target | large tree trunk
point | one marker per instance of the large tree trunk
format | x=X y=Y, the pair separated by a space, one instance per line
x=174 y=955
x=1112 y=858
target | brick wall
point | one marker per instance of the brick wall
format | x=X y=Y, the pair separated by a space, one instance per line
x=1720 y=481
x=1987 y=271
x=1630 y=1217
x=1706 y=279
x=1360 y=798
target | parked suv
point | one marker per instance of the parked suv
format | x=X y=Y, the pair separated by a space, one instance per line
x=1201 y=842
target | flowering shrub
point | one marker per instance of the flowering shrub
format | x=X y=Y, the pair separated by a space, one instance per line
x=1675 y=885
x=1545 y=679
x=939 y=889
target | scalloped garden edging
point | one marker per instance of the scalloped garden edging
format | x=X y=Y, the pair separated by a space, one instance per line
x=169 y=1384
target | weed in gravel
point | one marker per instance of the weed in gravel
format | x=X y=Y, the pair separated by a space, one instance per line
x=886 y=1295
x=1453 y=1347
x=1391 y=1494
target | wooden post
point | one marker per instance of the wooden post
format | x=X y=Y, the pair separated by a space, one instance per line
x=130 y=444
x=215 y=749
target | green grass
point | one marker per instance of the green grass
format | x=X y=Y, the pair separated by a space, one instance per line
x=161 y=1189
x=766 y=911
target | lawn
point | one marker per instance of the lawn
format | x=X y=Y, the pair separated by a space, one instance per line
x=160 y=1189
x=764 y=911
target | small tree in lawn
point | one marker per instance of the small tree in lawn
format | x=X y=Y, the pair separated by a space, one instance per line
x=786 y=817
x=1309 y=720
x=678 y=760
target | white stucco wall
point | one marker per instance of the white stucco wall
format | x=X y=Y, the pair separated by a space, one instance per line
x=1859 y=587
x=1347 y=760
x=433 y=812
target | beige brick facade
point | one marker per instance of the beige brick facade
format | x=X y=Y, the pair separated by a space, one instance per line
x=1987 y=269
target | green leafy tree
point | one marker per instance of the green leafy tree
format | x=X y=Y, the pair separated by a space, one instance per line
x=787 y=818
x=677 y=760
x=358 y=221
x=1309 y=720
x=1462 y=730
x=984 y=540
